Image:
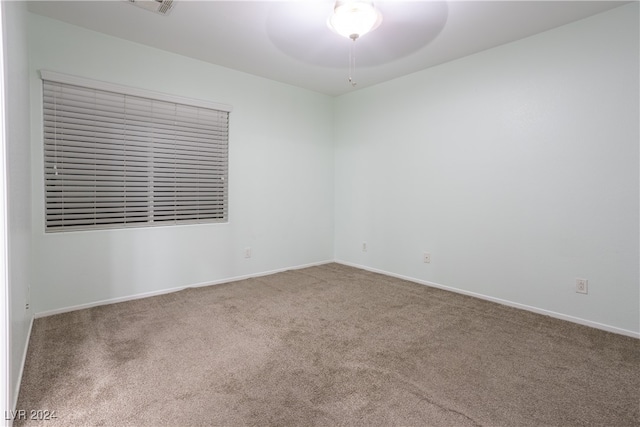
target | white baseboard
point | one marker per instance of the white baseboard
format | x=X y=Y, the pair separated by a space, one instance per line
x=16 y=390
x=170 y=290
x=554 y=314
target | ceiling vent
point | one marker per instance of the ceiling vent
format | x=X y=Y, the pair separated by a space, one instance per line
x=161 y=7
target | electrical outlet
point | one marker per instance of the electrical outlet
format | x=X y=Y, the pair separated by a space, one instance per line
x=582 y=286
x=426 y=257
x=364 y=246
x=247 y=252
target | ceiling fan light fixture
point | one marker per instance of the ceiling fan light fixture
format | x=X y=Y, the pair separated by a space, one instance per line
x=354 y=18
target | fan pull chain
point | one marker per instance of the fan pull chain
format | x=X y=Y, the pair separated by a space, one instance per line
x=352 y=59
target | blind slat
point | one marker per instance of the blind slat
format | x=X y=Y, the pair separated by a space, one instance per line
x=116 y=160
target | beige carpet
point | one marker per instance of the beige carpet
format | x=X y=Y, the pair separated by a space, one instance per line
x=328 y=345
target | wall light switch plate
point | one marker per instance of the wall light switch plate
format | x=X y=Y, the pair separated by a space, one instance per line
x=426 y=257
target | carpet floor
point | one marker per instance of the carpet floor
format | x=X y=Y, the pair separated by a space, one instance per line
x=327 y=345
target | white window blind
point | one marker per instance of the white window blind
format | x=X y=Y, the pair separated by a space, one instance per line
x=116 y=160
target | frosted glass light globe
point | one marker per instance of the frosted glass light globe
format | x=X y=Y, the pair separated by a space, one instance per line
x=353 y=19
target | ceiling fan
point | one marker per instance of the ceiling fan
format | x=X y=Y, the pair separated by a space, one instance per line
x=353 y=19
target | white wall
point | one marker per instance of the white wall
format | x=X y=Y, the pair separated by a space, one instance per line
x=18 y=184
x=516 y=168
x=280 y=183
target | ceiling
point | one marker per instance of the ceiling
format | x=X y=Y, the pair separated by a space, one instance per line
x=290 y=42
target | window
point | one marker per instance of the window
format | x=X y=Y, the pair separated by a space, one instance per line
x=120 y=157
